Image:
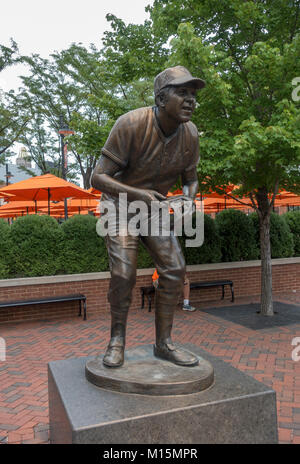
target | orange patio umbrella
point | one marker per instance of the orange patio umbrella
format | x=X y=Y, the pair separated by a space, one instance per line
x=75 y=204
x=6 y=195
x=214 y=202
x=71 y=209
x=25 y=206
x=94 y=191
x=47 y=187
x=295 y=201
x=84 y=212
x=15 y=213
x=285 y=198
x=59 y=212
x=83 y=203
x=282 y=194
x=10 y=215
x=214 y=194
x=228 y=203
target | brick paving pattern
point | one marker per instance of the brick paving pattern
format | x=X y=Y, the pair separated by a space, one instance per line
x=264 y=354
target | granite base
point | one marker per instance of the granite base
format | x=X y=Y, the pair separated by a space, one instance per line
x=145 y=374
x=236 y=409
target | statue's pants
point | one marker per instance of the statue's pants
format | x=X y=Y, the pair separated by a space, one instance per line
x=168 y=260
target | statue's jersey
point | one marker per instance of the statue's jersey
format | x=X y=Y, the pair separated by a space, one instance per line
x=147 y=158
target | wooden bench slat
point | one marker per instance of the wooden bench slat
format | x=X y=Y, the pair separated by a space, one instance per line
x=54 y=299
x=213 y=283
x=148 y=291
x=42 y=300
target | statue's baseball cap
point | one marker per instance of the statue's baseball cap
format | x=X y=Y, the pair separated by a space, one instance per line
x=178 y=75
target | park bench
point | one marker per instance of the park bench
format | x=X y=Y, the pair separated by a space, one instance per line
x=54 y=299
x=150 y=290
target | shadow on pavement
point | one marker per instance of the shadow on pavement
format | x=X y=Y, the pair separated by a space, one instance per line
x=246 y=315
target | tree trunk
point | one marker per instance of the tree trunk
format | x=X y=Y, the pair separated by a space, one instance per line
x=266 y=265
x=86 y=178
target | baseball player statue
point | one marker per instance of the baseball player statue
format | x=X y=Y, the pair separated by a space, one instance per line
x=145 y=153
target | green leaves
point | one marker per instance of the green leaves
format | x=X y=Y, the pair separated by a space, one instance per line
x=132 y=51
x=8 y=55
x=12 y=124
x=247 y=52
x=86 y=87
x=248 y=123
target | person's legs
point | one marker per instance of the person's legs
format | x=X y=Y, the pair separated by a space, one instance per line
x=186 y=289
x=169 y=261
x=186 y=296
x=122 y=253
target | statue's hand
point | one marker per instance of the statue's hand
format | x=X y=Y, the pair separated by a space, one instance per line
x=149 y=195
x=180 y=198
x=182 y=201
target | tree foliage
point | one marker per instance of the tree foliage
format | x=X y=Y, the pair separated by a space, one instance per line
x=12 y=124
x=248 y=54
x=81 y=85
x=8 y=55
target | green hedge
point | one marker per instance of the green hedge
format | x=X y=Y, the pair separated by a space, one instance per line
x=210 y=251
x=293 y=220
x=281 y=238
x=36 y=245
x=5 y=249
x=84 y=250
x=237 y=233
x=144 y=260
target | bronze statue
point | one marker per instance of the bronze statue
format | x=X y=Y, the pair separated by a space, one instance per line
x=145 y=153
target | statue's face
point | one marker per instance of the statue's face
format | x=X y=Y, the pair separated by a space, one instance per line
x=180 y=102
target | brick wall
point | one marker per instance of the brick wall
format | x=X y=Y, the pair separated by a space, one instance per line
x=245 y=276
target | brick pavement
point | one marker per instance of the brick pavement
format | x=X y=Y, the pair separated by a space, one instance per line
x=265 y=355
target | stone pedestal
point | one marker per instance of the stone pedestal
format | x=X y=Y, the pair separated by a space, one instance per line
x=145 y=374
x=234 y=409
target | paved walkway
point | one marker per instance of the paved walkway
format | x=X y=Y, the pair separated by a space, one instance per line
x=264 y=354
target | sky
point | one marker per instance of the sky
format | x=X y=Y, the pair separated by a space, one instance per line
x=43 y=26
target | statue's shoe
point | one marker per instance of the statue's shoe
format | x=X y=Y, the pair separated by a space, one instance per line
x=175 y=355
x=114 y=355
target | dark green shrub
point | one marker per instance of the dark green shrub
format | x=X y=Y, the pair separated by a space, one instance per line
x=83 y=249
x=281 y=238
x=144 y=260
x=209 y=251
x=293 y=220
x=237 y=232
x=5 y=249
x=36 y=246
x=4 y=270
